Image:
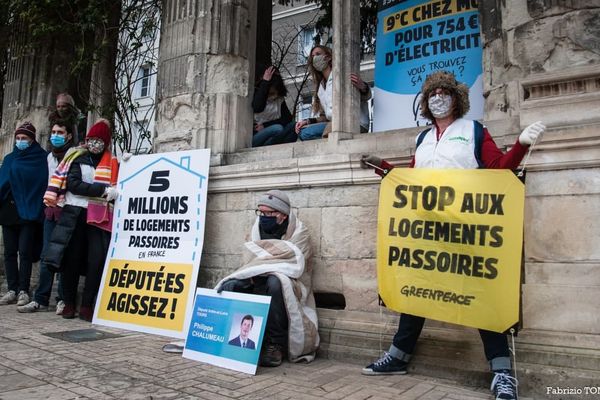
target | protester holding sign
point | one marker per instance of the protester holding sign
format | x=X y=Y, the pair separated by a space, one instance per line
x=277 y=267
x=453 y=142
x=84 y=183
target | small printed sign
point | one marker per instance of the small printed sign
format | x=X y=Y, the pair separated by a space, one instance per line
x=227 y=329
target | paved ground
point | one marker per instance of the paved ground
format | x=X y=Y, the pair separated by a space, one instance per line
x=35 y=366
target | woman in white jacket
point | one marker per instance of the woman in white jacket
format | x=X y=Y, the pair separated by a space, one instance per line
x=321 y=70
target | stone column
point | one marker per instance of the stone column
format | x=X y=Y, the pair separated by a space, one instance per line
x=34 y=76
x=205 y=75
x=346 y=59
x=102 y=87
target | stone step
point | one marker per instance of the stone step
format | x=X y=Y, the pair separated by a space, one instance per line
x=456 y=353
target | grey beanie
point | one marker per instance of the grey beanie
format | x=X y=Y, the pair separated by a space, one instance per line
x=277 y=200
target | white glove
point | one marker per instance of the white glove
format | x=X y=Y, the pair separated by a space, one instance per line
x=126 y=157
x=111 y=193
x=532 y=133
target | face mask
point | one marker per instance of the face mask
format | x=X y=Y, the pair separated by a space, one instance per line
x=440 y=105
x=22 y=144
x=268 y=224
x=320 y=62
x=95 y=146
x=57 y=140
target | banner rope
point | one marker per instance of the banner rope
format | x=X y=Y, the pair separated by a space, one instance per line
x=381 y=328
x=526 y=160
x=513 y=350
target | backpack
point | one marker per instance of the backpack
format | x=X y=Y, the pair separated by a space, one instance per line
x=478 y=141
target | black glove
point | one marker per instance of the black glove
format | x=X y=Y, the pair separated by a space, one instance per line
x=366 y=158
x=236 y=285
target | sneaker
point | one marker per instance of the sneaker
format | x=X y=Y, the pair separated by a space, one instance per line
x=8 y=298
x=23 y=298
x=386 y=365
x=272 y=356
x=60 y=306
x=504 y=386
x=68 y=311
x=32 y=307
x=86 y=313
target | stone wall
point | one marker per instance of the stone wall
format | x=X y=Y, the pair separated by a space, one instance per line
x=544 y=64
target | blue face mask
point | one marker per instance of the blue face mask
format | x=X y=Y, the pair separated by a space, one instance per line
x=268 y=224
x=57 y=140
x=22 y=144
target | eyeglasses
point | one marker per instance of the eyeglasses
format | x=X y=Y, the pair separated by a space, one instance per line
x=261 y=213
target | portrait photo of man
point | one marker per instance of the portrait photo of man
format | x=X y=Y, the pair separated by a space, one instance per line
x=242 y=340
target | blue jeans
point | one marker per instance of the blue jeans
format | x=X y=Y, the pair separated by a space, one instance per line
x=44 y=289
x=312 y=131
x=261 y=137
x=495 y=345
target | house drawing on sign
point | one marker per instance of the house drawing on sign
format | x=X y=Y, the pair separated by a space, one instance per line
x=184 y=164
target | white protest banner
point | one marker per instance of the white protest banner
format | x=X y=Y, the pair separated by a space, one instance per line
x=152 y=265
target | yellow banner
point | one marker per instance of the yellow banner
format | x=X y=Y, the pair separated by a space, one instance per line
x=427 y=11
x=150 y=294
x=449 y=245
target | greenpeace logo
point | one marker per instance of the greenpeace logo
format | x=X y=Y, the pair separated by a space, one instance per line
x=460 y=139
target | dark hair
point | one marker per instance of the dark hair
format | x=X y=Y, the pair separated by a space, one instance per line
x=277 y=83
x=55 y=119
x=276 y=80
x=248 y=317
x=445 y=80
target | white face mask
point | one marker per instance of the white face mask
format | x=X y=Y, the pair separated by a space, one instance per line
x=320 y=62
x=440 y=105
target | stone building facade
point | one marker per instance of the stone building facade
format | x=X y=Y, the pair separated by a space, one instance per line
x=541 y=62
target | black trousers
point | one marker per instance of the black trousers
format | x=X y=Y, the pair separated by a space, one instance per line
x=409 y=329
x=98 y=243
x=85 y=254
x=18 y=243
x=276 y=331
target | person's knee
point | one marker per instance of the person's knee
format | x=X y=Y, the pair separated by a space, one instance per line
x=273 y=285
x=277 y=128
x=229 y=286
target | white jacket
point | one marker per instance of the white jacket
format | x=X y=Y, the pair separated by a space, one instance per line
x=87 y=175
x=325 y=95
x=455 y=149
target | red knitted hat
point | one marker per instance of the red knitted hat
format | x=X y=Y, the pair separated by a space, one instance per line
x=100 y=130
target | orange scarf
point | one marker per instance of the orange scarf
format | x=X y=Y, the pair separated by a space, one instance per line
x=100 y=211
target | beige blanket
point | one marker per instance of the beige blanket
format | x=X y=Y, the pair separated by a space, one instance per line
x=287 y=259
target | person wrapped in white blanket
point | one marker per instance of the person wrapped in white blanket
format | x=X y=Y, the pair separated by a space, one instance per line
x=277 y=266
